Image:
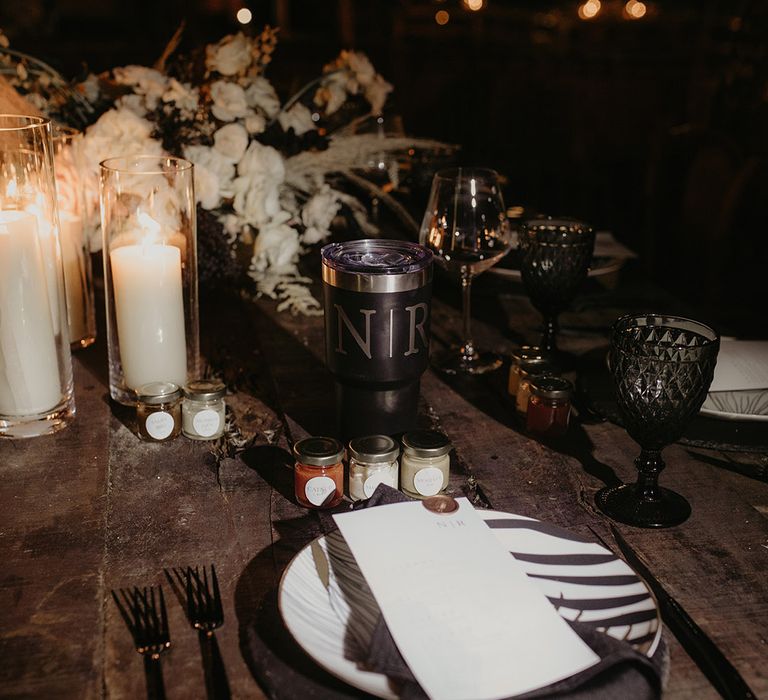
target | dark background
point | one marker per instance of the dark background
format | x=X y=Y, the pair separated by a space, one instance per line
x=653 y=128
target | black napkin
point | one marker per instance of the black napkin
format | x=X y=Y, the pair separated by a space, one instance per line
x=621 y=673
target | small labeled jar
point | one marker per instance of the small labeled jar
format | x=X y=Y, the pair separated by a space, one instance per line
x=549 y=408
x=425 y=464
x=530 y=355
x=203 y=410
x=529 y=372
x=158 y=411
x=372 y=461
x=319 y=472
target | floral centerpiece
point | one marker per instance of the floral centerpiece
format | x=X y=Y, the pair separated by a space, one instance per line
x=270 y=176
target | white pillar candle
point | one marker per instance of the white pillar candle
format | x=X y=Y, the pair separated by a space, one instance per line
x=74 y=274
x=29 y=373
x=149 y=307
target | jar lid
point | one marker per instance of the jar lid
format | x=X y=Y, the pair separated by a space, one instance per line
x=426 y=443
x=374 y=448
x=158 y=392
x=530 y=354
x=204 y=390
x=551 y=387
x=318 y=451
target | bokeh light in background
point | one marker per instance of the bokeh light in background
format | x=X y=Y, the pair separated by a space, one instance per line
x=442 y=17
x=635 y=9
x=474 y=5
x=244 y=15
x=590 y=9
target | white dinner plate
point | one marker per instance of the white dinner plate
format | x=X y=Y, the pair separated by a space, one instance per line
x=737 y=405
x=583 y=580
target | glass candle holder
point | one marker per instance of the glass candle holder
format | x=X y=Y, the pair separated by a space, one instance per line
x=75 y=248
x=150 y=272
x=36 y=391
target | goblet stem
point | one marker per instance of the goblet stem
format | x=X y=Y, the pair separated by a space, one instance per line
x=549 y=337
x=468 y=352
x=649 y=465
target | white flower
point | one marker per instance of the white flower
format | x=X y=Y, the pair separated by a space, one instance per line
x=232 y=224
x=376 y=93
x=231 y=141
x=133 y=103
x=145 y=81
x=183 y=95
x=210 y=164
x=257 y=189
x=260 y=94
x=362 y=69
x=228 y=101
x=298 y=117
x=255 y=123
x=317 y=215
x=90 y=88
x=276 y=246
x=333 y=93
x=230 y=56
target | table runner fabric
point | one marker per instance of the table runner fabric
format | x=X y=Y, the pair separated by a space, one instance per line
x=621 y=672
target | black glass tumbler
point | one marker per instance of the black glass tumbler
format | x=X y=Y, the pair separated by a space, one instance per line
x=377 y=296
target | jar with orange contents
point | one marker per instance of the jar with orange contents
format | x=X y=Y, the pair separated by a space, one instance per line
x=549 y=408
x=319 y=472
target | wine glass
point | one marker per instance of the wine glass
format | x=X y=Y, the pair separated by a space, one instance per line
x=555 y=258
x=662 y=367
x=465 y=226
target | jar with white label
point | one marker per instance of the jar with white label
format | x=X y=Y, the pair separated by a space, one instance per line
x=319 y=472
x=372 y=461
x=203 y=410
x=425 y=464
x=158 y=411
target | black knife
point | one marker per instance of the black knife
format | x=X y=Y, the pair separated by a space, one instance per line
x=693 y=639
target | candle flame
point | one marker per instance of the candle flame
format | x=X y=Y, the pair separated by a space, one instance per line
x=149 y=227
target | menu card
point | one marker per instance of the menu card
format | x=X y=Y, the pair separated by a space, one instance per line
x=465 y=617
x=741 y=365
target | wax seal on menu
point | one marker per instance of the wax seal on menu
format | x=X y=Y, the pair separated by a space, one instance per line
x=441 y=504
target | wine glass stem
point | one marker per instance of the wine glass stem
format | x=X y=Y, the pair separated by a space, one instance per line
x=468 y=348
x=649 y=465
x=549 y=337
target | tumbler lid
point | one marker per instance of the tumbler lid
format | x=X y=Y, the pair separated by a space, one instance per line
x=375 y=265
x=426 y=443
x=551 y=387
x=318 y=451
x=374 y=449
x=158 y=392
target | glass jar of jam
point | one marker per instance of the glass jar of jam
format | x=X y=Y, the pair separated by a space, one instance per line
x=529 y=372
x=425 y=465
x=372 y=461
x=530 y=355
x=203 y=410
x=158 y=411
x=319 y=472
x=549 y=408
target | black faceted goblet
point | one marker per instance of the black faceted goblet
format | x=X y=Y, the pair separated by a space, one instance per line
x=555 y=256
x=662 y=367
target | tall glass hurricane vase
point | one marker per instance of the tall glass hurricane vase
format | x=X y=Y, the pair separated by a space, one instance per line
x=555 y=259
x=150 y=272
x=75 y=249
x=662 y=367
x=36 y=392
x=465 y=226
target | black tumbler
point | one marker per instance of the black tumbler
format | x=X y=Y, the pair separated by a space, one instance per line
x=377 y=296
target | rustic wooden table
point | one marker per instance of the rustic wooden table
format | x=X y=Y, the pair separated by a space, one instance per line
x=92 y=508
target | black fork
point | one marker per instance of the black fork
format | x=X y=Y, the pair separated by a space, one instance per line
x=144 y=613
x=201 y=596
